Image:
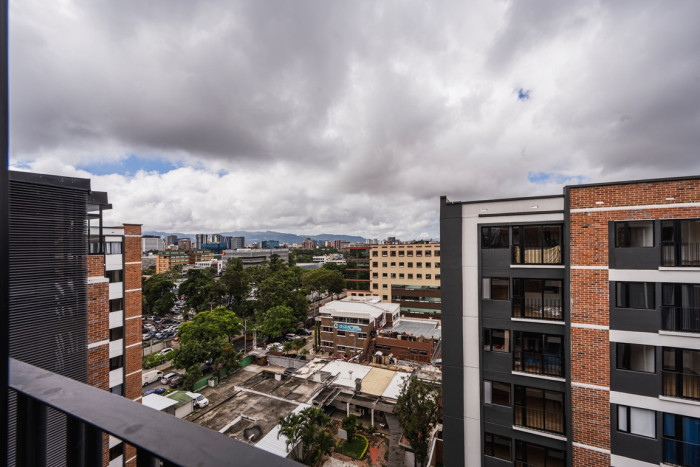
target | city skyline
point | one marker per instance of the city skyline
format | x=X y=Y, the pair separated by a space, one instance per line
x=328 y=117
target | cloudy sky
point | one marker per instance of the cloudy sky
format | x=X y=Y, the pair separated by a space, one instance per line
x=348 y=116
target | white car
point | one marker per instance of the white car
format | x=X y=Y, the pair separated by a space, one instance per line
x=166 y=351
x=199 y=400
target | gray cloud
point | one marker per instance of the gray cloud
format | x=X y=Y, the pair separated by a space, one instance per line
x=354 y=117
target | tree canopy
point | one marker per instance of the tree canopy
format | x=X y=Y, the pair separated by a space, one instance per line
x=418 y=410
x=200 y=290
x=207 y=337
x=276 y=321
x=323 y=280
x=158 y=297
x=308 y=431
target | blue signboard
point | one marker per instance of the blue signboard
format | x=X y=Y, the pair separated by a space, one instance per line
x=347 y=327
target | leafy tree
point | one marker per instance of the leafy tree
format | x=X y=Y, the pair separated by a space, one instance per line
x=229 y=357
x=158 y=296
x=235 y=283
x=308 y=431
x=207 y=337
x=287 y=347
x=335 y=267
x=276 y=321
x=148 y=271
x=152 y=360
x=198 y=289
x=192 y=375
x=349 y=424
x=418 y=410
x=323 y=280
x=298 y=344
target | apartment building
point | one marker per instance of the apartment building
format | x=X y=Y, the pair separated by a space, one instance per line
x=408 y=274
x=571 y=327
x=357 y=272
x=75 y=294
x=168 y=259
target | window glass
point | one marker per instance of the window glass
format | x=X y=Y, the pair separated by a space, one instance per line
x=494 y=237
x=636 y=421
x=634 y=234
x=637 y=295
x=636 y=357
x=497 y=446
x=499 y=289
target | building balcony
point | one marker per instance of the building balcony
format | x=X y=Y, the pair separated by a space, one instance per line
x=680 y=319
x=682 y=385
x=91 y=413
x=538 y=419
x=681 y=255
x=537 y=308
x=538 y=363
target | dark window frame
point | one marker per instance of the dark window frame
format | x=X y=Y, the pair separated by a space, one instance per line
x=495 y=237
x=546 y=311
x=521 y=244
x=487 y=336
x=524 y=415
x=502 y=392
x=623 y=237
x=623 y=360
x=521 y=455
x=625 y=295
x=538 y=361
x=490 y=446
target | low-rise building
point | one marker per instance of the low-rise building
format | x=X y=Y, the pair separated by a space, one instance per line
x=169 y=259
x=255 y=256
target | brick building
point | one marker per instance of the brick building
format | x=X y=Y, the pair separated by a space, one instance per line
x=168 y=259
x=75 y=294
x=572 y=326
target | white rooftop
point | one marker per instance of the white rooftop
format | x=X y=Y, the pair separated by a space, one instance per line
x=359 y=307
x=343 y=369
x=278 y=445
x=393 y=390
x=158 y=402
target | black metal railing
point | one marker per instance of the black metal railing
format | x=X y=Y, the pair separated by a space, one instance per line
x=683 y=385
x=681 y=319
x=538 y=419
x=537 y=308
x=683 y=453
x=537 y=363
x=92 y=412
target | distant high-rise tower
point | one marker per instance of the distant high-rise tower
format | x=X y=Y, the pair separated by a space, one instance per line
x=238 y=242
x=199 y=240
x=171 y=240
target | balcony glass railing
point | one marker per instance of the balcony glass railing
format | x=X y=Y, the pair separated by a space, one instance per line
x=537 y=255
x=91 y=413
x=683 y=385
x=538 y=419
x=684 y=453
x=537 y=308
x=687 y=254
x=537 y=363
x=680 y=319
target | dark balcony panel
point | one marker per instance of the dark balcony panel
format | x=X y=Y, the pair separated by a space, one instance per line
x=498 y=415
x=626 y=319
x=498 y=362
x=634 y=258
x=92 y=411
x=680 y=319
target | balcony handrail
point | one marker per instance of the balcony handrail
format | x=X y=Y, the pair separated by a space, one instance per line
x=155 y=434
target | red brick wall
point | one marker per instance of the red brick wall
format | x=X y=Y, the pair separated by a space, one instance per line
x=589 y=458
x=593 y=406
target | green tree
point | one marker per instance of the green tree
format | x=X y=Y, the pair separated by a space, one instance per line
x=158 y=297
x=308 y=432
x=287 y=346
x=349 y=424
x=192 y=375
x=198 y=289
x=276 y=321
x=207 y=337
x=229 y=357
x=418 y=410
x=323 y=280
x=235 y=283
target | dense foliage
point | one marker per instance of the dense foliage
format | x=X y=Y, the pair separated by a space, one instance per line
x=418 y=410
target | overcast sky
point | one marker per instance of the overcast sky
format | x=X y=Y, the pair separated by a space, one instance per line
x=348 y=116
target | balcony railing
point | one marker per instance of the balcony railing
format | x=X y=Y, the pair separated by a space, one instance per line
x=683 y=385
x=683 y=453
x=91 y=412
x=537 y=308
x=538 y=419
x=537 y=255
x=537 y=363
x=688 y=255
x=681 y=319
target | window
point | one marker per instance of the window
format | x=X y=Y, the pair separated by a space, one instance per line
x=327 y=344
x=636 y=357
x=116 y=333
x=116 y=304
x=419 y=276
x=537 y=299
x=680 y=307
x=113 y=248
x=537 y=244
x=393 y=275
x=496 y=340
x=680 y=243
x=116 y=362
x=496 y=393
x=393 y=253
x=385 y=297
x=326 y=328
x=362 y=335
x=634 y=234
x=375 y=286
x=384 y=286
x=437 y=276
x=115 y=276
x=637 y=295
x=375 y=253
x=419 y=265
x=636 y=421
x=385 y=275
x=527 y=454
x=410 y=276
x=384 y=264
x=497 y=446
x=539 y=409
x=401 y=253
x=536 y=353
x=680 y=440
x=681 y=373
x=375 y=275
x=419 y=253
x=400 y=265
x=427 y=265
x=341 y=333
x=116 y=451
x=410 y=265
x=494 y=237
x=118 y=389
x=437 y=253
x=428 y=276
x=384 y=253
x=375 y=264
x=393 y=264
x=428 y=253
x=495 y=288
x=409 y=253
x=437 y=265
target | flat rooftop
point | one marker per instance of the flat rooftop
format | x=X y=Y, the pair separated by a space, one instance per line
x=416 y=327
x=351 y=307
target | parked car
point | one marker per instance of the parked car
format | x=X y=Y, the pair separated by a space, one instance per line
x=154 y=391
x=289 y=370
x=303 y=332
x=166 y=351
x=199 y=400
x=150 y=377
x=291 y=336
x=175 y=381
x=166 y=379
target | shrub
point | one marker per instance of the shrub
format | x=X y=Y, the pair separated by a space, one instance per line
x=152 y=360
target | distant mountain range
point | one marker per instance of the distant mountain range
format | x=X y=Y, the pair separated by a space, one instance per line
x=257 y=237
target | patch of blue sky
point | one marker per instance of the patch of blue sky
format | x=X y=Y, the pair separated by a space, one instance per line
x=560 y=179
x=523 y=94
x=129 y=166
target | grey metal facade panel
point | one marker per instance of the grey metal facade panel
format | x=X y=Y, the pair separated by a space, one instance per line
x=452 y=337
x=625 y=319
x=635 y=258
x=499 y=416
x=634 y=446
